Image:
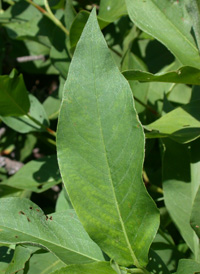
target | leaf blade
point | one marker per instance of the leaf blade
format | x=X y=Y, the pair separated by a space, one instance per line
x=95 y=155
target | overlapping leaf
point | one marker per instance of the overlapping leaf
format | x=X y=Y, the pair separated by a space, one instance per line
x=100 y=151
x=168 y=22
x=22 y=221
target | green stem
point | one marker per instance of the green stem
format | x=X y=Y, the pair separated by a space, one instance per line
x=50 y=131
x=48 y=13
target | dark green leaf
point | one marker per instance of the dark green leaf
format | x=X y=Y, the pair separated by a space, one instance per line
x=188 y=267
x=186 y=75
x=12 y=90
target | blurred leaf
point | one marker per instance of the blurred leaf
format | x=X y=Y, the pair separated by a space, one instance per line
x=186 y=75
x=24 y=124
x=52 y=105
x=96 y=156
x=37 y=175
x=21 y=256
x=69 y=14
x=59 y=55
x=12 y=90
x=188 y=267
x=110 y=10
x=167 y=21
x=63 y=201
x=195 y=217
x=181 y=124
x=23 y=222
x=177 y=190
x=44 y=263
x=97 y=268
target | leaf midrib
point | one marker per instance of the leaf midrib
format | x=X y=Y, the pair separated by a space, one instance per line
x=135 y=261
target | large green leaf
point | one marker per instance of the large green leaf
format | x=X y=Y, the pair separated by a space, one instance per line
x=22 y=221
x=169 y=23
x=97 y=268
x=181 y=124
x=186 y=75
x=12 y=90
x=100 y=151
x=37 y=175
x=188 y=267
x=195 y=217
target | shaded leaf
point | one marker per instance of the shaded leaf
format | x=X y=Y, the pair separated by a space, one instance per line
x=186 y=75
x=22 y=221
x=37 y=175
x=12 y=90
x=181 y=124
x=21 y=256
x=100 y=151
x=111 y=10
x=24 y=124
x=169 y=23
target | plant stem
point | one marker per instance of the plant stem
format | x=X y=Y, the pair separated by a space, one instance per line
x=136 y=270
x=50 y=131
x=146 y=106
x=49 y=14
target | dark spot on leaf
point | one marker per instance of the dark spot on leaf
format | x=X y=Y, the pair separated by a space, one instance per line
x=21 y=212
x=40 y=186
x=28 y=219
x=37 y=210
x=16 y=236
x=51 y=218
x=30 y=207
x=47 y=217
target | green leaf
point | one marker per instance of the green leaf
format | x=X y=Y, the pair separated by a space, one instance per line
x=43 y=263
x=186 y=75
x=22 y=221
x=110 y=10
x=21 y=256
x=169 y=23
x=12 y=90
x=195 y=218
x=181 y=124
x=37 y=175
x=188 y=267
x=97 y=268
x=177 y=190
x=63 y=201
x=100 y=145
x=24 y=124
